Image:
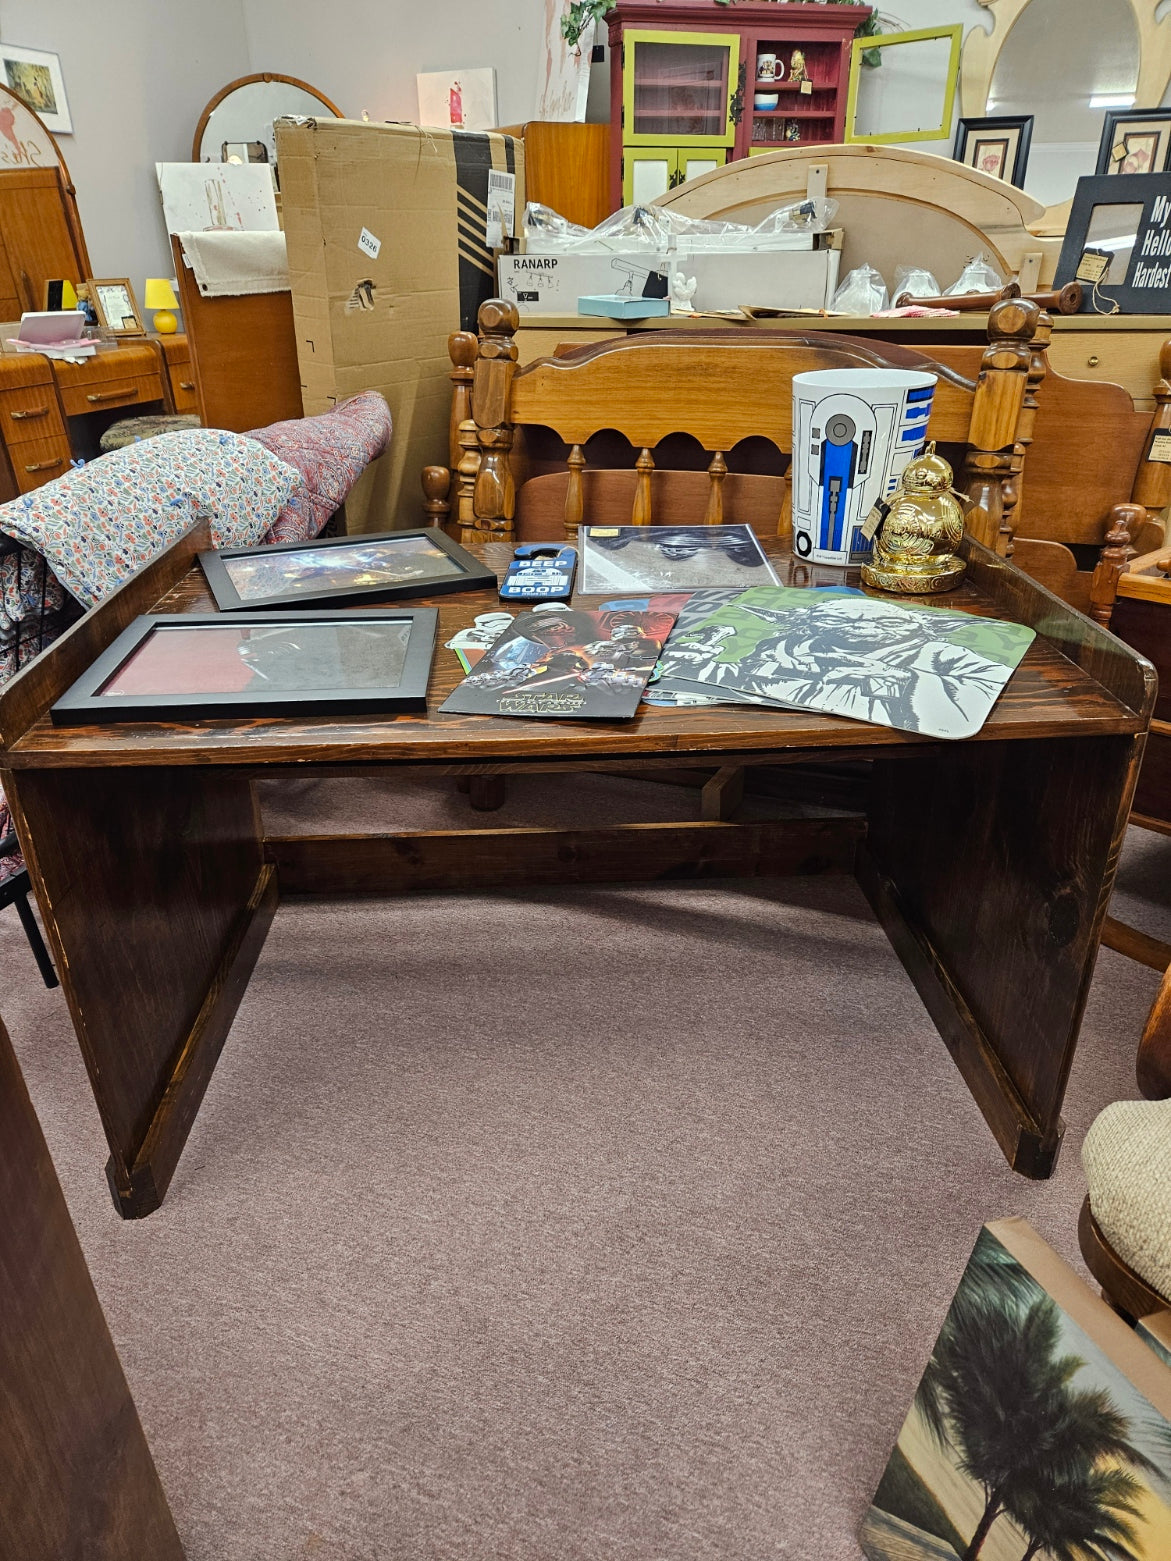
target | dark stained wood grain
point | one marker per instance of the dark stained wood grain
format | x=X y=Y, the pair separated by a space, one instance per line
x=155 y=897
x=487 y=859
x=1003 y=860
x=78 y=1479
x=1074 y=673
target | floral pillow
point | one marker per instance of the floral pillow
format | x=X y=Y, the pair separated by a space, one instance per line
x=331 y=451
x=101 y=522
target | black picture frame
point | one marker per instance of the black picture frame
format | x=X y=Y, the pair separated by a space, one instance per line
x=472 y=576
x=1114 y=125
x=1000 y=126
x=1135 y=292
x=83 y=704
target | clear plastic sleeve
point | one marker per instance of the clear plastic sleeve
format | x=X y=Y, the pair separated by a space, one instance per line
x=978 y=276
x=915 y=282
x=863 y=292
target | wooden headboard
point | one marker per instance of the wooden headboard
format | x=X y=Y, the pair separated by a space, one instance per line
x=896 y=207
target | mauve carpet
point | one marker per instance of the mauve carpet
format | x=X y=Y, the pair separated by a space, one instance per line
x=599 y=1223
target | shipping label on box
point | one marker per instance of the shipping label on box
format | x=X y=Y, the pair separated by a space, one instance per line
x=552 y=284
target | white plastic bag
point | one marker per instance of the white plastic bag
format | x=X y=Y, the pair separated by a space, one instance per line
x=863 y=292
x=978 y=276
x=915 y=282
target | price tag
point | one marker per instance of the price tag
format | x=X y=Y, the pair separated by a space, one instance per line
x=806 y=89
x=368 y=244
x=875 y=519
x=603 y=531
x=1094 y=266
x=1160 y=449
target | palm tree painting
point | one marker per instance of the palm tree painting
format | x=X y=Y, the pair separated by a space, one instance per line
x=1025 y=1442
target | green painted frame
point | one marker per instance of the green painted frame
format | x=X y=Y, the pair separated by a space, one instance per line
x=862 y=46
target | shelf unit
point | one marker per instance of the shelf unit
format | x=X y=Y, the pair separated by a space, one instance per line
x=684 y=76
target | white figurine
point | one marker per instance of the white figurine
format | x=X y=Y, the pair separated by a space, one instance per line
x=682 y=292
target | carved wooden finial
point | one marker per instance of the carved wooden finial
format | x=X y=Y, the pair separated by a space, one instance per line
x=1013 y=320
x=462 y=347
x=1126 y=520
x=436 y=494
x=498 y=317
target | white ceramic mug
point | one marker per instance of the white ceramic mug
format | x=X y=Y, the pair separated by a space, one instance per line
x=854 y=431
x=766 y=67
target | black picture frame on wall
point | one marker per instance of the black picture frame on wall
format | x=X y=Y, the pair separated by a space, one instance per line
x=1126 y=218
x=1004 y=138
x=380 y=566
x=182 y=667
x=1144 y=137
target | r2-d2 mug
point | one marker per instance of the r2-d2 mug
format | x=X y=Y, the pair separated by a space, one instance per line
x=854 y=431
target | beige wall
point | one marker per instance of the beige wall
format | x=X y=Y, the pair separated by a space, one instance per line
x=137 y=73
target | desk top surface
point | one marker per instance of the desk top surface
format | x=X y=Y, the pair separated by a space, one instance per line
x=1075 y=680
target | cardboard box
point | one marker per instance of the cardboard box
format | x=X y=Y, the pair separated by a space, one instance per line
x=552 y=284
x=387 y=229
x=803 y=274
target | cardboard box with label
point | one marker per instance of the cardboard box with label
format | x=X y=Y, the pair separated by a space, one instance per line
x=801 y=275
x=391 y=231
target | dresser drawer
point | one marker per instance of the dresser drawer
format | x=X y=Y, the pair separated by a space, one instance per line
x=182 y=378
x=30 y=412
x=130 y=391
x=37 y=461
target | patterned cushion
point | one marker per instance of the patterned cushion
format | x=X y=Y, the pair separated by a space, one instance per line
x=331 y=451
x=100 y=523
x=31 y=603
x=130 y=429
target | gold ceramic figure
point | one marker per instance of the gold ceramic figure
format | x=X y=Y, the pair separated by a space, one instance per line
x=797 y=68
x=914 y=551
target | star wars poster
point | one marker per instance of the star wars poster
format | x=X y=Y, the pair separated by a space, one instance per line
x=567 y=663
x=670 y=558
x=918 y=669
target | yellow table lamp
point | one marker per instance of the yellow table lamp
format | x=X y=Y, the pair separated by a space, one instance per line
x=160 y=296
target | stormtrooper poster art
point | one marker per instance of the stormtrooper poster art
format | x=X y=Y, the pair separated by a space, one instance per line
x=918 y=669
x=670 y=558
x=567 y=663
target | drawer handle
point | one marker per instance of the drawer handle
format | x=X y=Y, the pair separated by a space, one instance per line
x=31 y=412
x=46 y=466
x=110 y=395
x=186 y=384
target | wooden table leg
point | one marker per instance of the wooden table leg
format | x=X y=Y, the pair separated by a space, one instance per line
x=156 y=901
x=78 y=1479
x=990 y=865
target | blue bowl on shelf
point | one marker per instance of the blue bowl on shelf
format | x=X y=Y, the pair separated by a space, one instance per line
x=766 y=100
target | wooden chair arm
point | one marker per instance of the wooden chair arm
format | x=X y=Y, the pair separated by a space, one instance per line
x=1154 y=1053
x=1117 y=553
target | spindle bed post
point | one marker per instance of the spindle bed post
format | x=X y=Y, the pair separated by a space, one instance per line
x=717 y=471
x=495 y=493
x=992 y=461
x=574 y=493
x=644 y=466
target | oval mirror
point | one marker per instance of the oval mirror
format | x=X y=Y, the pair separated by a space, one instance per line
x=237 y=123
x=1090 y=53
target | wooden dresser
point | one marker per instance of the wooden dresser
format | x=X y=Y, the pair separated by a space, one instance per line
x=52 y=412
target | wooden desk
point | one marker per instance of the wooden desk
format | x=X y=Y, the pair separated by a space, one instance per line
x=989 y=862
x=51 y=411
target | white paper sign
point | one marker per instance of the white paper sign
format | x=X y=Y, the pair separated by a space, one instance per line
x=368 y=244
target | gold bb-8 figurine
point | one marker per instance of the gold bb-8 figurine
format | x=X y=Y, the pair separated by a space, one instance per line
x=914 y=551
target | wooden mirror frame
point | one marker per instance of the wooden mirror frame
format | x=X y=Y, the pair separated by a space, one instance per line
x=244 y=81
x=68 y=192
x=982 y=51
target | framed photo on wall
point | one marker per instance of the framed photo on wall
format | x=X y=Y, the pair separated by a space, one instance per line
x=1135 y=140
x=34 y=76
x=997 y=146
x=115 y=306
